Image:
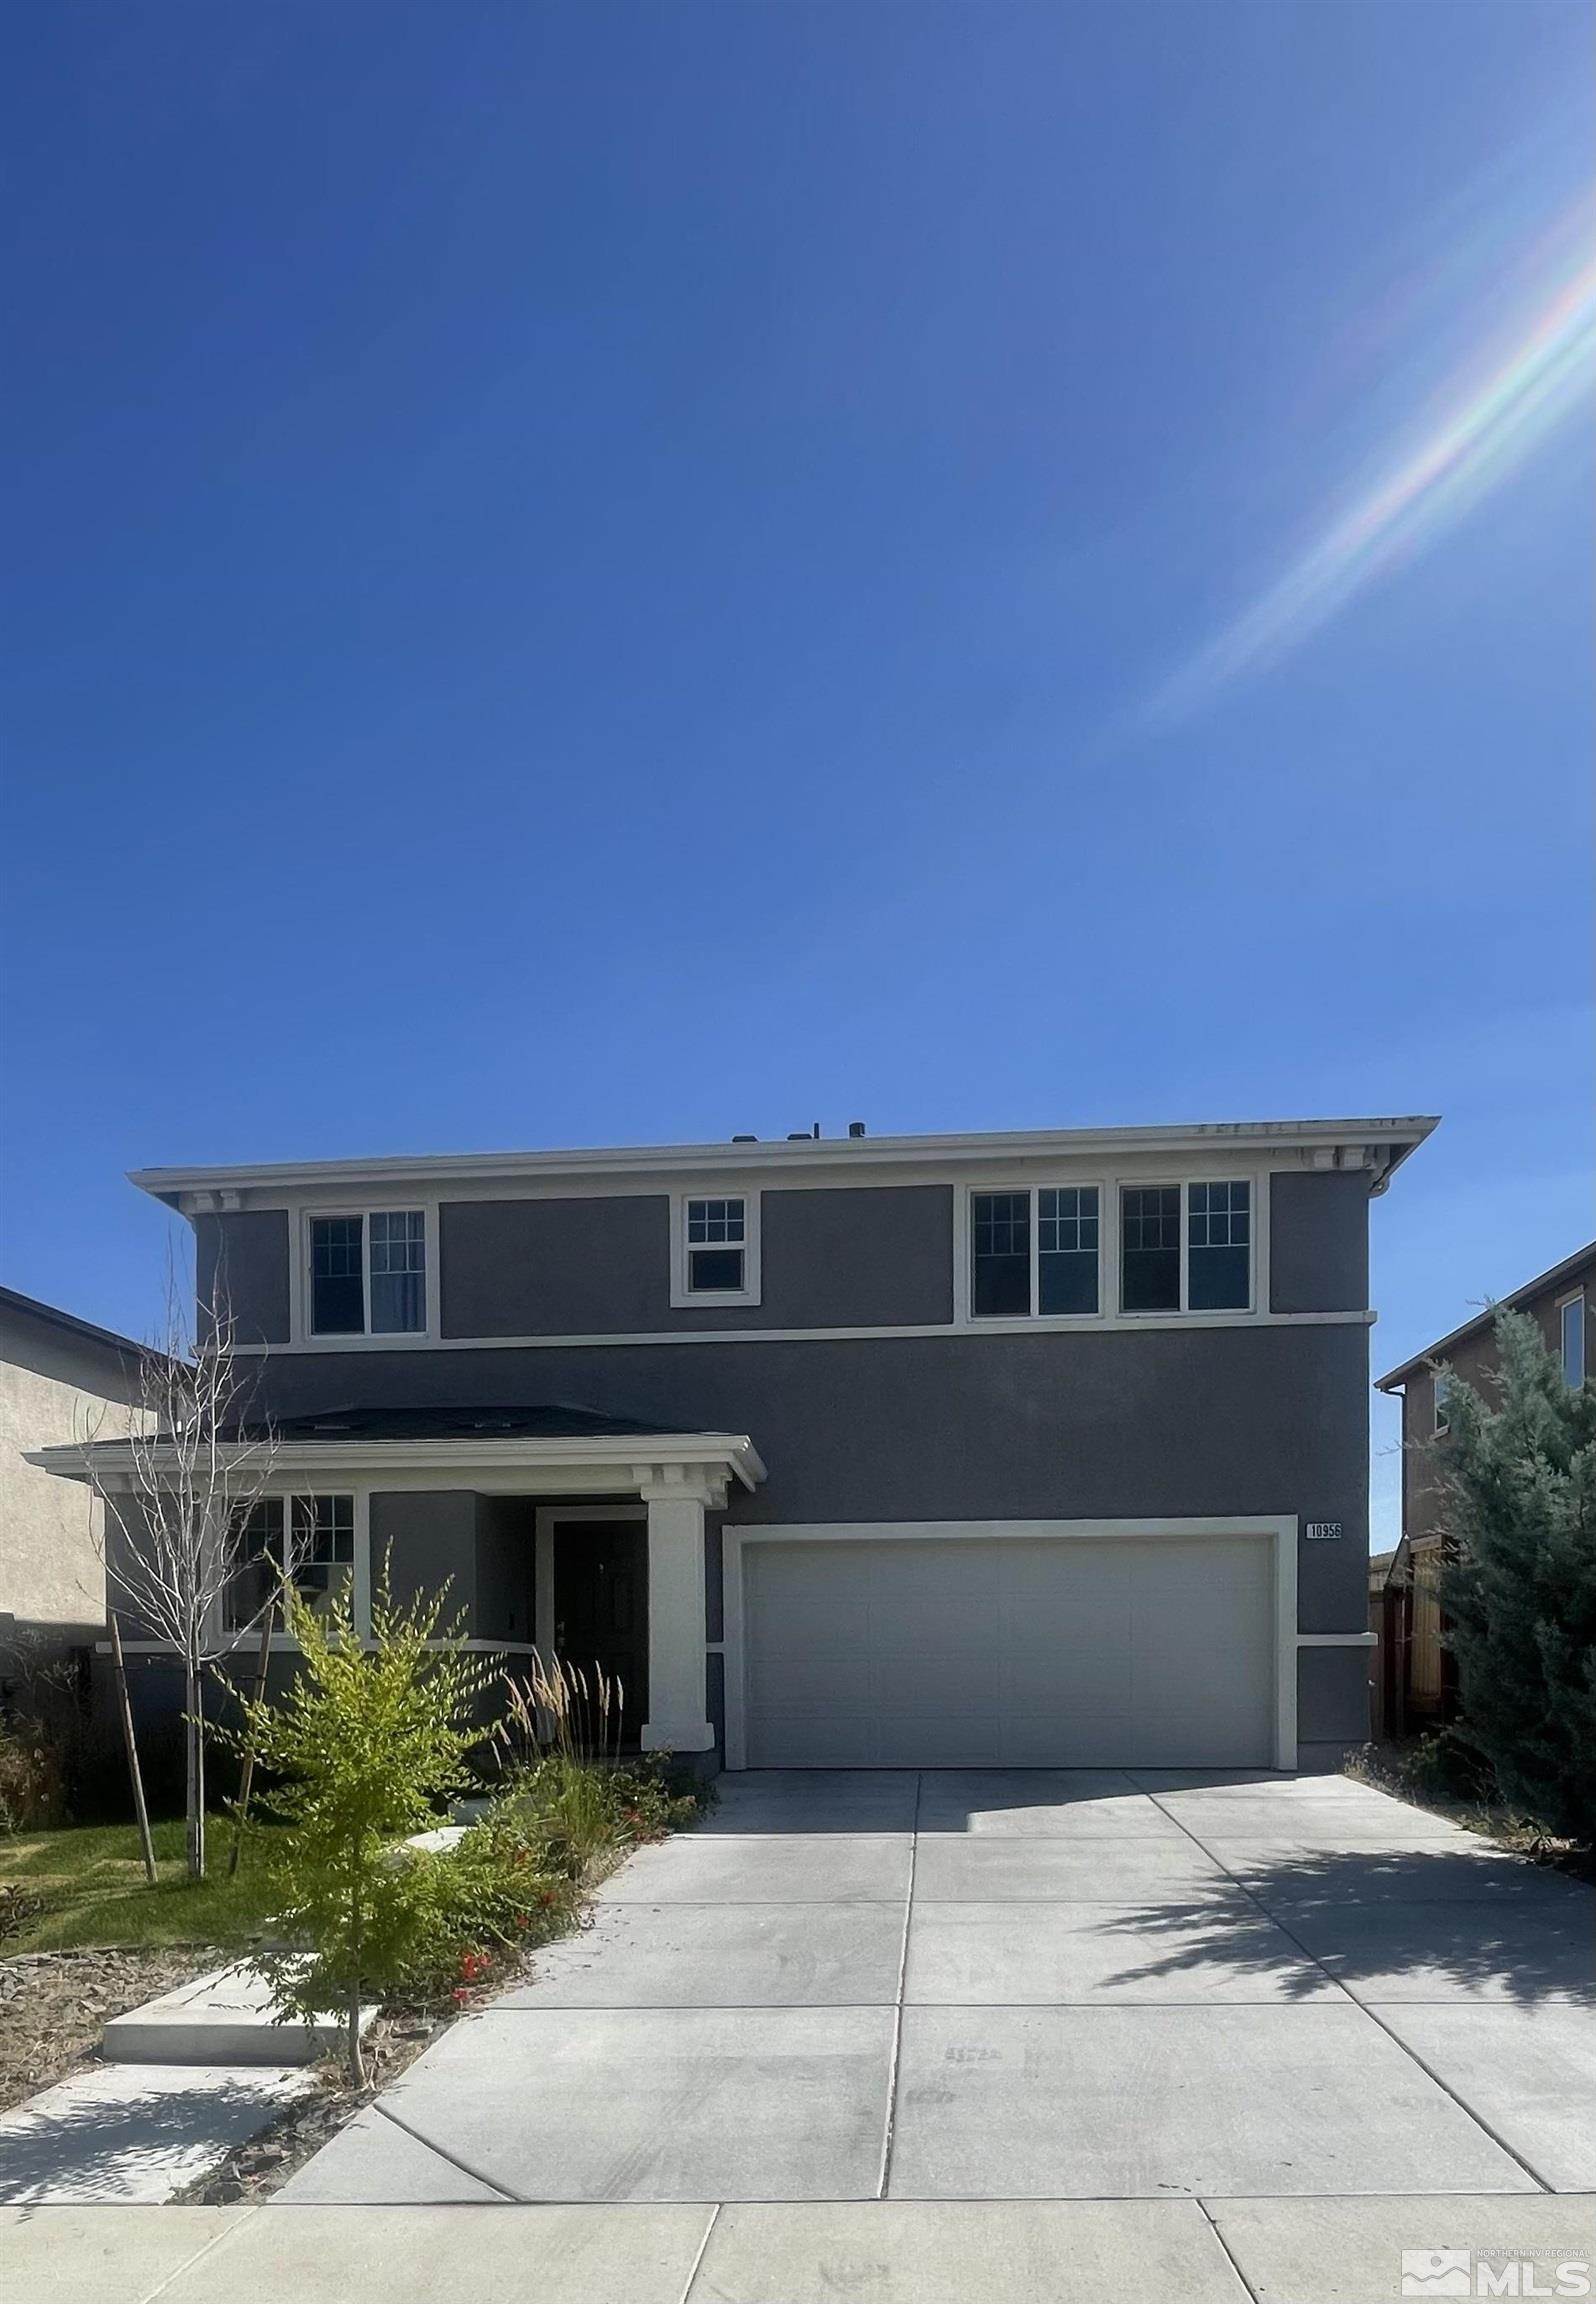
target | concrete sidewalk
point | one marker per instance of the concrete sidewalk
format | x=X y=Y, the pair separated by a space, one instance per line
x=1318 y=2251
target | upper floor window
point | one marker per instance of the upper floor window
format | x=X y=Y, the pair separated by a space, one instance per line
x=1034 y=1252
x=320 y=1555
x=716 y=1250
x=368 y=1273
x=1186 y=1247
x=1571 y=1325
x=1442 y=1400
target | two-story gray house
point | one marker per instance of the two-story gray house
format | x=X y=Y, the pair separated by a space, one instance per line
x=1024 y=1449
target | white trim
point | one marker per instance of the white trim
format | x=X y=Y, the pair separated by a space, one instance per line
x=685 y=1298
x=1365 y=1143
x=500 y=1467
x=1049 y=1324
x=981 y=1323
x=1338 y=1639
x=1281 y=1531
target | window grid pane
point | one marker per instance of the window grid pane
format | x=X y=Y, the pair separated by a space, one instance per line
x=1000 y=1255
x=1220 y=1215
x=715 y=1222
x=337 y=1283
x=1149 y=1216
x=1218 y=1234
x=398 y=1272
x=1067 y=1242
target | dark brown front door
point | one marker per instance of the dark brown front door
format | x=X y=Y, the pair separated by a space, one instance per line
x=601 y=1607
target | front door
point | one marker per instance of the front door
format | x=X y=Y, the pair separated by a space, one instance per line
x=601 y=1608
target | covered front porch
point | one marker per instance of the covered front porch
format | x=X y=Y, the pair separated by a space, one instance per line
x=592 y=1544
x=555 y=1529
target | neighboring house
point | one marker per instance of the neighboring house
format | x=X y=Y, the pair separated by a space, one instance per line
x=948 y=1450
x=61 y=1380
x=1414 y=1677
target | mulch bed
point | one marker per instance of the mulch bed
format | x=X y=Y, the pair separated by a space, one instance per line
x=54 y=2005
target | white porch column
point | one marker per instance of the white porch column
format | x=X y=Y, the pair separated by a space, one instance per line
x=677 y=1496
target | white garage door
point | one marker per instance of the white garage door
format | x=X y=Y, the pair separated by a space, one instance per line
x=1009 y=1651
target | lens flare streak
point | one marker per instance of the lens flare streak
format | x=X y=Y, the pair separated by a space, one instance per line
x=1482 y=438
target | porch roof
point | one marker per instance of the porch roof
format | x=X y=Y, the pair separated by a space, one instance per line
x=558 y=1444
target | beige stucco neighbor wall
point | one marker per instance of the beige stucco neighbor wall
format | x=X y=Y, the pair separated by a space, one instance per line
x=51 y=1575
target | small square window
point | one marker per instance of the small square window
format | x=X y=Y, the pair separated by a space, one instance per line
x=716 y=1252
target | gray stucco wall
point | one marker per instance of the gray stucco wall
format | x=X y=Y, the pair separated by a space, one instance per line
x=1332 y=1699
x=244 y=1257
x=1318 y=1242
x=854 y=1257
x=1156 y=1424
x=426 y=1540
x=833 y=1257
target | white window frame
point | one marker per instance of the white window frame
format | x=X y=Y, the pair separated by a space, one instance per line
x=228 y=1636
x=303 y=1309
x=1440 y=1401
x=1185 y=1310
x=687 y=1299
x=1564 y=1303
x=1032 y=1191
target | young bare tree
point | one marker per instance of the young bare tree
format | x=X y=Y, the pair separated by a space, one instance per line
x=177 y=1496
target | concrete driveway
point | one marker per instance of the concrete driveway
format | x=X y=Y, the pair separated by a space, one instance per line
x=1257 y=1993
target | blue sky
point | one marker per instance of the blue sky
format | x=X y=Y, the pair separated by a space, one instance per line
x=589 y=573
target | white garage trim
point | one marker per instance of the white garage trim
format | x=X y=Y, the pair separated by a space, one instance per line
x=1281 y=1532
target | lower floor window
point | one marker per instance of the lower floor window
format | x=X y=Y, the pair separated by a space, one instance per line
x=319 y=1553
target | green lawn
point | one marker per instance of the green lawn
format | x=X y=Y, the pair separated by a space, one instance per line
x=90 y=1888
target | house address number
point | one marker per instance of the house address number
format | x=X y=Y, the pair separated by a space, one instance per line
x=1323 y=1531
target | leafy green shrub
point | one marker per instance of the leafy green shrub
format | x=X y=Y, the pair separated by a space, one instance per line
x=364 y=1747
x=577 y=1811
x=478 y=1906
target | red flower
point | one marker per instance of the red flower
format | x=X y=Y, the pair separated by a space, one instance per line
x=459 y=1995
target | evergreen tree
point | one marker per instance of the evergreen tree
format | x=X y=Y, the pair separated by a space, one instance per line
x=1518 y=1581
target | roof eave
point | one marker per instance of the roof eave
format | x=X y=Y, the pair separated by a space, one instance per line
x=734 y=1451
x=1395 y=1378
x=1401 y=1134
